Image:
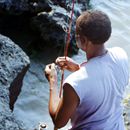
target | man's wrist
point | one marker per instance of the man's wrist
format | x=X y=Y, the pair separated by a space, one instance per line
x=51 y=88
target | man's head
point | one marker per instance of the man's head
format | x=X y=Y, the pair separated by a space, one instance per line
x=95 y=26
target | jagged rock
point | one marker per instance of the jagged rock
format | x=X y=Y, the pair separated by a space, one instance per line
x=17 y=7
x=8 y=121
x=49 y=20
x=81 y=5
x=13 y=66
x=53 y=25
x=35 y=6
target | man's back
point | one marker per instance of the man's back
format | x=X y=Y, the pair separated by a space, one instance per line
x=100 y=86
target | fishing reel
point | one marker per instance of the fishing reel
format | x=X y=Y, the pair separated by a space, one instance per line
x=42 y=126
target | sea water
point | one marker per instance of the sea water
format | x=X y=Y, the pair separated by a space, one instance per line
x=32 y=104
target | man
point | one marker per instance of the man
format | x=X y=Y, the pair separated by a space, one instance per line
x=92 y=94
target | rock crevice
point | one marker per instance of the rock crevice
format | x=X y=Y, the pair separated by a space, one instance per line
x=13 y=66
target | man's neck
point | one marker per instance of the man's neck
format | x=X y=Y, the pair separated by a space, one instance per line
x=95 y=50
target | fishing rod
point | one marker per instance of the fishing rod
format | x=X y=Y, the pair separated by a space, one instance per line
x=67 y=46
x=66 y=49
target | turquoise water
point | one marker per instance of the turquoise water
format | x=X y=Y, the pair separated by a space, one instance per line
x=32 y=104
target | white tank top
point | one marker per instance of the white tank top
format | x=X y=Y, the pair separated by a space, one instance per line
x=100 y=85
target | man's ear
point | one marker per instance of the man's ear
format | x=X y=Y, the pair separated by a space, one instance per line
x=84 y=42
x=82 y=39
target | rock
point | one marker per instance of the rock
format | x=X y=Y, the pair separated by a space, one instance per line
x=53 y=25
x=35 y=6
x=40 y=23
x=8 y=121
x=126 y=114
x=14 y=6
x=13 y=66
x=50 y=25
x=82 y=5
x=17 y=7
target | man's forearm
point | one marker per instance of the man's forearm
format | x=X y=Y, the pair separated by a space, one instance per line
x=53 y=100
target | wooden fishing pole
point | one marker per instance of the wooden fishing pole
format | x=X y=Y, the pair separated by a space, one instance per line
x=67 y=46
x=66 y=50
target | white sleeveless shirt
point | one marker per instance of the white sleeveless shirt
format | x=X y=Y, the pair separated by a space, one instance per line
x=100 y=85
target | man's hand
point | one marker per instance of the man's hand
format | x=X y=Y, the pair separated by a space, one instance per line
x=51 y=73
x=67 y=63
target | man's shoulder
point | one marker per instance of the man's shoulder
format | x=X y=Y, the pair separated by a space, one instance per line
x=118 y=52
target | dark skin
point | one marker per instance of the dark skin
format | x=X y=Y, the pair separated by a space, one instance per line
x=61 y=109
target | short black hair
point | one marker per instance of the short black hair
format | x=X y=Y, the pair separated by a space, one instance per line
x=94 y=25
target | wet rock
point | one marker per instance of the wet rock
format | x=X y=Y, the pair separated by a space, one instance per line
x=82 y=5
x=53 y=25
x=40 y=23
x=35 y=6
x=8 y=121
x=126 y=113
x=17 y=7
x=13 y=66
